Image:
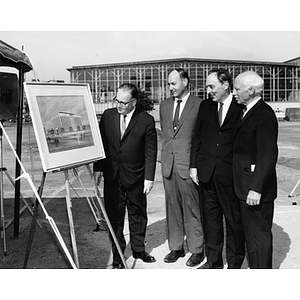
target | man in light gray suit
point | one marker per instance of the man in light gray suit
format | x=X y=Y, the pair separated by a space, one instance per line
x=178 y=115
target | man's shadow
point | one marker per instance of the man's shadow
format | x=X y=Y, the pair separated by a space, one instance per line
x=156 y=235
x=281 y=245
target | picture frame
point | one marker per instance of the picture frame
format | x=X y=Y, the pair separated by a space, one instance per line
x=65 y=124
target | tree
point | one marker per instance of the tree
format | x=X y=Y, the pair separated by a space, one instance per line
x=144 y=102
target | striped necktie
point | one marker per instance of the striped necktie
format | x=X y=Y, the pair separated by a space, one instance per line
x=123 y=125
x=220 y=113
x=176 y=116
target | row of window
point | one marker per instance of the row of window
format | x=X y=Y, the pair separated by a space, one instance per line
x=281 y=82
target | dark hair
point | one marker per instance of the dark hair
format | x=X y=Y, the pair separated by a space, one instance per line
x=131 y=88
x=143 y=101
x=222 y=75
x=183 y=74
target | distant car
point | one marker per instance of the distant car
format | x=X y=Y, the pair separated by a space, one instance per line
x=280 y=114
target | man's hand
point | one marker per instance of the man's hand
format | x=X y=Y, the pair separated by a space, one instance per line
x=253 y=198
x=98 y=177
x=148 y=185
x=194 y=175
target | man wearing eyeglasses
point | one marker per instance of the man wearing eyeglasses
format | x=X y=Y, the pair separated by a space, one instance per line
x=130 y=144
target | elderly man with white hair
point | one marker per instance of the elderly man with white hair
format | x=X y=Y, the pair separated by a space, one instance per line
x=255 y=154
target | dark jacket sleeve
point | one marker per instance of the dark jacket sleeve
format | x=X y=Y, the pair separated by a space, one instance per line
x=150 y=150
x=196 y=140
x=267 y=151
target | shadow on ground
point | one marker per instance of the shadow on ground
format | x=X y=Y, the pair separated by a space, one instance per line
x=281 y=245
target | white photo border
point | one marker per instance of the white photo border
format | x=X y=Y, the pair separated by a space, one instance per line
x=68 y=158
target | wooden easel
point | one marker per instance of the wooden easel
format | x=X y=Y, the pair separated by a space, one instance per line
x=38 y=200
x=70 y=215
x=3 y=224
x=26 y=205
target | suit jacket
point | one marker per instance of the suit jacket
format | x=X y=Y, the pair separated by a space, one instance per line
x=256 y=152
x=134 y=157
x=176 y=145
x=212 y=144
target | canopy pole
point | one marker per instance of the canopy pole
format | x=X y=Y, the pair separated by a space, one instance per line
x=19 y=152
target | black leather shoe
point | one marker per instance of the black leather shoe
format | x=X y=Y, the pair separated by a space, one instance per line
x=174 y=255
x=144 y=256
x=209 y=265
x=195 y=259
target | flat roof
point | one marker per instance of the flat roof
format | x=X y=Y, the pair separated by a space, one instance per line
x=176 y=60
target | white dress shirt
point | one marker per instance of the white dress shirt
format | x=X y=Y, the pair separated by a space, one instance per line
x=226 y=106
x=127 y=120
x=182 y=104
x=250 y=105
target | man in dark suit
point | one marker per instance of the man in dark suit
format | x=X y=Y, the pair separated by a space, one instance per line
x=178 y=116
x=254 y=168
x=211 y=168
x=130 y=144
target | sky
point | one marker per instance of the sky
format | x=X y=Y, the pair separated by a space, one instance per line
x=52 y=52
x=57 y=36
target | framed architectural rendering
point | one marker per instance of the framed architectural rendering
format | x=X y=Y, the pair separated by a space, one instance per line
x=65 y=124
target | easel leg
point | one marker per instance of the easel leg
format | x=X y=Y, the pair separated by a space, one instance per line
x=2 y=222
x=2 y=218
x=33 y=222
x=25 y=202
x=294 y=189
x=69 y=209
x=50 y=220
x=106 y=216
x=92 y=205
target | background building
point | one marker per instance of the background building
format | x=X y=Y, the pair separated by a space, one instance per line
x=281 y=79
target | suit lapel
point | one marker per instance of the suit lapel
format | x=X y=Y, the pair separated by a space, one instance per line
x=186 y=110
x=117 y=125
x=170 y=110
x=231 y=111
x=214 y=112
x=247 y=116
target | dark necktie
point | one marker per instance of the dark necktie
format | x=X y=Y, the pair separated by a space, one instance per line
x=176 y=116
x=243 y=112
x=220 y=113
x=123 y=125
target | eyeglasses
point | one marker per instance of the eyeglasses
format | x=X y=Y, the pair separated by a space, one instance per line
x=121 y=102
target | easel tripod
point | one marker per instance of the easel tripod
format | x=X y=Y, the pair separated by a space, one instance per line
x=49 y=218
x=70 y=216
x=4 y=226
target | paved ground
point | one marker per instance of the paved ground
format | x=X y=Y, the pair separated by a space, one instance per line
x=287 y=209
x=285 y=228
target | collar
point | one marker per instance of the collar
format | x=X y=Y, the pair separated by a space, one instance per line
x=227 y=101
x=251 y=104
x=184 y=99
x=129 y=115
